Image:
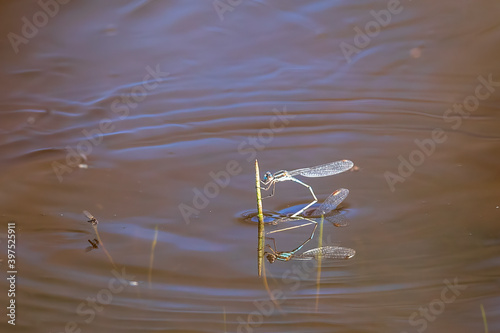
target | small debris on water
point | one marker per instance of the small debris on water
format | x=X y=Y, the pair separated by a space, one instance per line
x=416 y=52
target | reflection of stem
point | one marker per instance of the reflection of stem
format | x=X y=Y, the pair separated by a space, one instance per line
x=151 y=258
x=260 y=247
x=484 y=319
x=224 y=314
x=318 y=276
x=271 y=296
x=103 y=247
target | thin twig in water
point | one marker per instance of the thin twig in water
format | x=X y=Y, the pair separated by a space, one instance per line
x=261 y=239
x=151 y=258
x=260 y=247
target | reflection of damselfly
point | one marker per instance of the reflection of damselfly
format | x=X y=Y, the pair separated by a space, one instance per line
x=93 y=244
x=325 y=252
x=285 y=256
x=324 y=170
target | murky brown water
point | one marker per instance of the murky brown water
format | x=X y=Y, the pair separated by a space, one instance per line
x=164 y=96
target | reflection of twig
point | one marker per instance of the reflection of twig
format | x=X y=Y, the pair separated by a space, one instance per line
x=224 y=316
x=318 y=275
x=484 y=319
x=153 y=245
x=271 y=296
x=103 y=247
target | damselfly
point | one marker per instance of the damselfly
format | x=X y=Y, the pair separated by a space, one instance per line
x=325 y=209
x=324 y=170
x=92 y=220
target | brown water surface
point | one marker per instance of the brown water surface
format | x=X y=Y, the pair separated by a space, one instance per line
x=163 y=96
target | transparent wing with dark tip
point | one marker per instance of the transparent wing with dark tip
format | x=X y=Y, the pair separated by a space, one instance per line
x=326 y=252
x=324 y=170
x=331 y=203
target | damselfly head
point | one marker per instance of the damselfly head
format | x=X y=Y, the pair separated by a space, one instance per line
x=270 y=257
x=267 y=177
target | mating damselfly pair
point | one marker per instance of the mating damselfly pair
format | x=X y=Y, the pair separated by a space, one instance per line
x=326 y=208
x=324 y=170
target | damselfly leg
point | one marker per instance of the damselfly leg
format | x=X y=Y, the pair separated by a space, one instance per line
x=286 y=255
